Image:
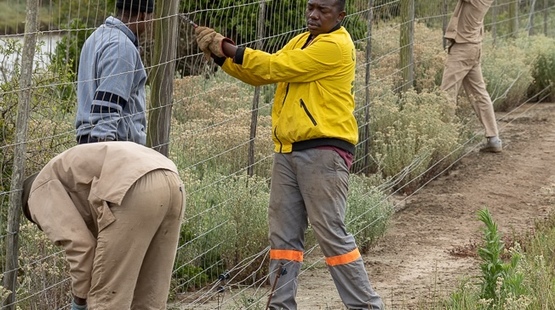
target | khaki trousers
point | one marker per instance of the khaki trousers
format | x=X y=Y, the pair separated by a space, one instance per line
x=135 y=254
x=462 y=68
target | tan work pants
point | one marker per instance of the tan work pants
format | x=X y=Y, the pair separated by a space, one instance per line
x=135 y=254
x=462 y=67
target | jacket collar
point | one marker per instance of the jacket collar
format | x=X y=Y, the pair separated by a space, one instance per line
x=311 y=37
x=116 y=23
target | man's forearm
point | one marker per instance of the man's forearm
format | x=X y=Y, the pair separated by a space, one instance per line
x=229 y=49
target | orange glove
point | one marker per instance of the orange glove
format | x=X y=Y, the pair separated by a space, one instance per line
x=209 y=41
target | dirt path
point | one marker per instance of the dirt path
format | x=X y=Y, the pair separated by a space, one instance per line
x=414 y=260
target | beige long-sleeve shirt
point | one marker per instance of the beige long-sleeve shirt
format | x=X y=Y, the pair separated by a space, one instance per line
x=467 y=23
x=69 y=197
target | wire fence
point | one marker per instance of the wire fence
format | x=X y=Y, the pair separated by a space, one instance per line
x=215 y=128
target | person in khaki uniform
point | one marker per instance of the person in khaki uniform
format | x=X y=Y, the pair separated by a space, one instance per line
x=116 y=209
x=462 y=68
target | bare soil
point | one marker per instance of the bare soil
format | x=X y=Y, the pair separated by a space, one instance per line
x=430 y=245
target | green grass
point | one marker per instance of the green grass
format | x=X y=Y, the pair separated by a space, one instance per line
x=13 y=15
x=523 y=278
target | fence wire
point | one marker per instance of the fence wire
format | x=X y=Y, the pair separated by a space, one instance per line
x=219 y=128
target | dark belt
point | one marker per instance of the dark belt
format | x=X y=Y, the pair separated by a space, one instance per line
x=86 y=139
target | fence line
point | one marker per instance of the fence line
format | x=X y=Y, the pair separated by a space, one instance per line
x=43 y=114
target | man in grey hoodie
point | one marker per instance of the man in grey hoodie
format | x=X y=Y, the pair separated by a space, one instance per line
x=111 y=78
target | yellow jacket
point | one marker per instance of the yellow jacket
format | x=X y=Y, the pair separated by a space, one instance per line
x=314 y=100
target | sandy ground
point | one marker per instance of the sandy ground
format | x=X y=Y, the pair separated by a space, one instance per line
x=422 y=255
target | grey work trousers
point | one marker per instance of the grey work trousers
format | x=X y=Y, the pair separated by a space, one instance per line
x=135 y=254
x=463 y=68
x=312 y=185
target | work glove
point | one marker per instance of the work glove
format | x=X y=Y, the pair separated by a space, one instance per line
x=210 y=42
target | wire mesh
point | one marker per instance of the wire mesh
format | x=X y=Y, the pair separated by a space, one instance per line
x=226 y=163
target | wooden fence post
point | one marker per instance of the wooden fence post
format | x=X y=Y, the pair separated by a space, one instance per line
x=445 y=21
x=494 y=21
x=162 y=75
x=256 y=96
x=531 y=18
x=406 y=43
x=18 y=175
x=545 y=16
x=513 y=18
x=367 y=139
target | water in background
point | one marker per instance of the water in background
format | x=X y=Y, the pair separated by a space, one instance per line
x=9 y=57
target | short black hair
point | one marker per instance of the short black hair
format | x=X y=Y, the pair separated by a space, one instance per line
x=136 y=6
x=340 y=5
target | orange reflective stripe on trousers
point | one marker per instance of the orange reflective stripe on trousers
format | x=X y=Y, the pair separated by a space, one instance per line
x=343 y=259
x=291 y=255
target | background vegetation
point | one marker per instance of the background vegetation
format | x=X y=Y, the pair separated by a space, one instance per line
x=412 y=136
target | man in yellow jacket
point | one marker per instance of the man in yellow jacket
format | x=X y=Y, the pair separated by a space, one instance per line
x=465 y=33
x=116 y=209
x=315 y=133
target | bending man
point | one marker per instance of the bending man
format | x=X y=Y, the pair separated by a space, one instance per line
x=116 y=209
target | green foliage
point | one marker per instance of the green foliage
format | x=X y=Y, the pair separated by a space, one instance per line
x=464 y=298
x=500 y=280
x=507 y=71
x=283 y=20
x=66 y=54
x=368 y=211
x=46 y=122
x=212 y=131
x=90 y=13
x=413 y=136
x=542 y=56
x=247 y=301
x=526 y=281
x=492 y=267
x=42 y=264
x=9 y=72
x=429 y=58
x=225 y=227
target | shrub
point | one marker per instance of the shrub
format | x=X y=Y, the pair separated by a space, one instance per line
x=225 y=227
x=42 y=265
x=414 y=136
x=66 y=54
x=368 y=211
x=501 y=282
x=211 y=133
x=507 y=73
x=542 y=57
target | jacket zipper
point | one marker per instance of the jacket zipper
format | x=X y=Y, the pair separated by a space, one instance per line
x=280 y=144
x=308 y=113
